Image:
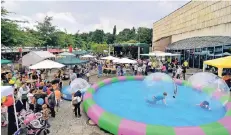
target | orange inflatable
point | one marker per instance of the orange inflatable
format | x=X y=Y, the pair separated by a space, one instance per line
x=9 y=101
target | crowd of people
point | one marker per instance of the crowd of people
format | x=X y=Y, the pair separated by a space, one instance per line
x=143 y=67
x=32 y=93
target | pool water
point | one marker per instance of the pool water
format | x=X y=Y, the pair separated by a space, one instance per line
x=127 y=99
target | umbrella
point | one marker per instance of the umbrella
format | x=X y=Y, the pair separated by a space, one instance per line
x=78 y=84
x=125 y=61
x=47 y=64
x=66 y=54
x=109 y=58
x=88 y=56
x=3 y=61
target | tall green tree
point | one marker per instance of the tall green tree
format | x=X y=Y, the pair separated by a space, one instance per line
x=97 y=36
x=114 y=34
x=126 y=35
x=144 y=35
x=109 y=38
x=46 y=30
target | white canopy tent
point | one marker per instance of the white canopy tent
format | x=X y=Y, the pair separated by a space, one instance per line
x=88 y=56
x=34 y=57
x=47 y=64
x=6 y=91
x=109 y=58
x=66 y=54
x=125 y=61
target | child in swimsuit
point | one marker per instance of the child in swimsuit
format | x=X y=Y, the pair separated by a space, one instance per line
x=205 y=105
x=160 y=97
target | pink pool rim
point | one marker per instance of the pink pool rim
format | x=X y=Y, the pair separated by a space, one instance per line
x=121 y=126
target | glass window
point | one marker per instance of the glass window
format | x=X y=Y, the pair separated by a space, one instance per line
x=210 y=54
x=218 y=51
x=197 y=57
x=191 y=56
x=227 y=50
x=187 y=54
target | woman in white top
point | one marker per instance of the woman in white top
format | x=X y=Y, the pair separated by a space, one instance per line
x=22 y=94
x=30 y=96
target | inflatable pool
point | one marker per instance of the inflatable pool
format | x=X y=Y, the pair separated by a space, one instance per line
x=118 y=106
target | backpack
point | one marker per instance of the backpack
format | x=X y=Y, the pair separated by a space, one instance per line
x=75 y=101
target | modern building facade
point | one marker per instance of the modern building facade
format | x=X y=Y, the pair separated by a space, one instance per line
x=198 y=26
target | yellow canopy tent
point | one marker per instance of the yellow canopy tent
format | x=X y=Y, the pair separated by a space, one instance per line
x=220 y=63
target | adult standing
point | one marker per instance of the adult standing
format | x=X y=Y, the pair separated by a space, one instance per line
x=76 y=102
x=52 y=102
x=22 y=93
x=100 y=70
x=184 y=71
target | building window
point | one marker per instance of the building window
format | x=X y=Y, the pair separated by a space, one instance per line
x=218 y=52
x=210 y=53
x=227 y=50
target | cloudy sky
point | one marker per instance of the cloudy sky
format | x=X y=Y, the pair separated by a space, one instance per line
x=87 y=16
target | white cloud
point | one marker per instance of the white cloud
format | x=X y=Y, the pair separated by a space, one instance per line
x=61 y=16
x=88 y=16
x=11 y=6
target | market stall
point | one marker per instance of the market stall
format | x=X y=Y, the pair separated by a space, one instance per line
x=109 y=58
x=220 y=63
x=47 y=64
x=34 y=57
x=71 y=61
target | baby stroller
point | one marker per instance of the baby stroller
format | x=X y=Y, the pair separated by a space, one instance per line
x=31 y=124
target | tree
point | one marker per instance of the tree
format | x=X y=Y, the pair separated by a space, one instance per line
x=47 y=34
x=98 y=36
x=99 y=48
x=144 y=35
x=114 y=34
x=46 y=29
x=126 y=35
x=11 y=35
x=109 y=38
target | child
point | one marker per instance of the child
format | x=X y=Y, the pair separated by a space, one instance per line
x=58 y=98
x=45 y=116
x=3 y=115
x=158 y=98
x=30 y=96
x=205 y=105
